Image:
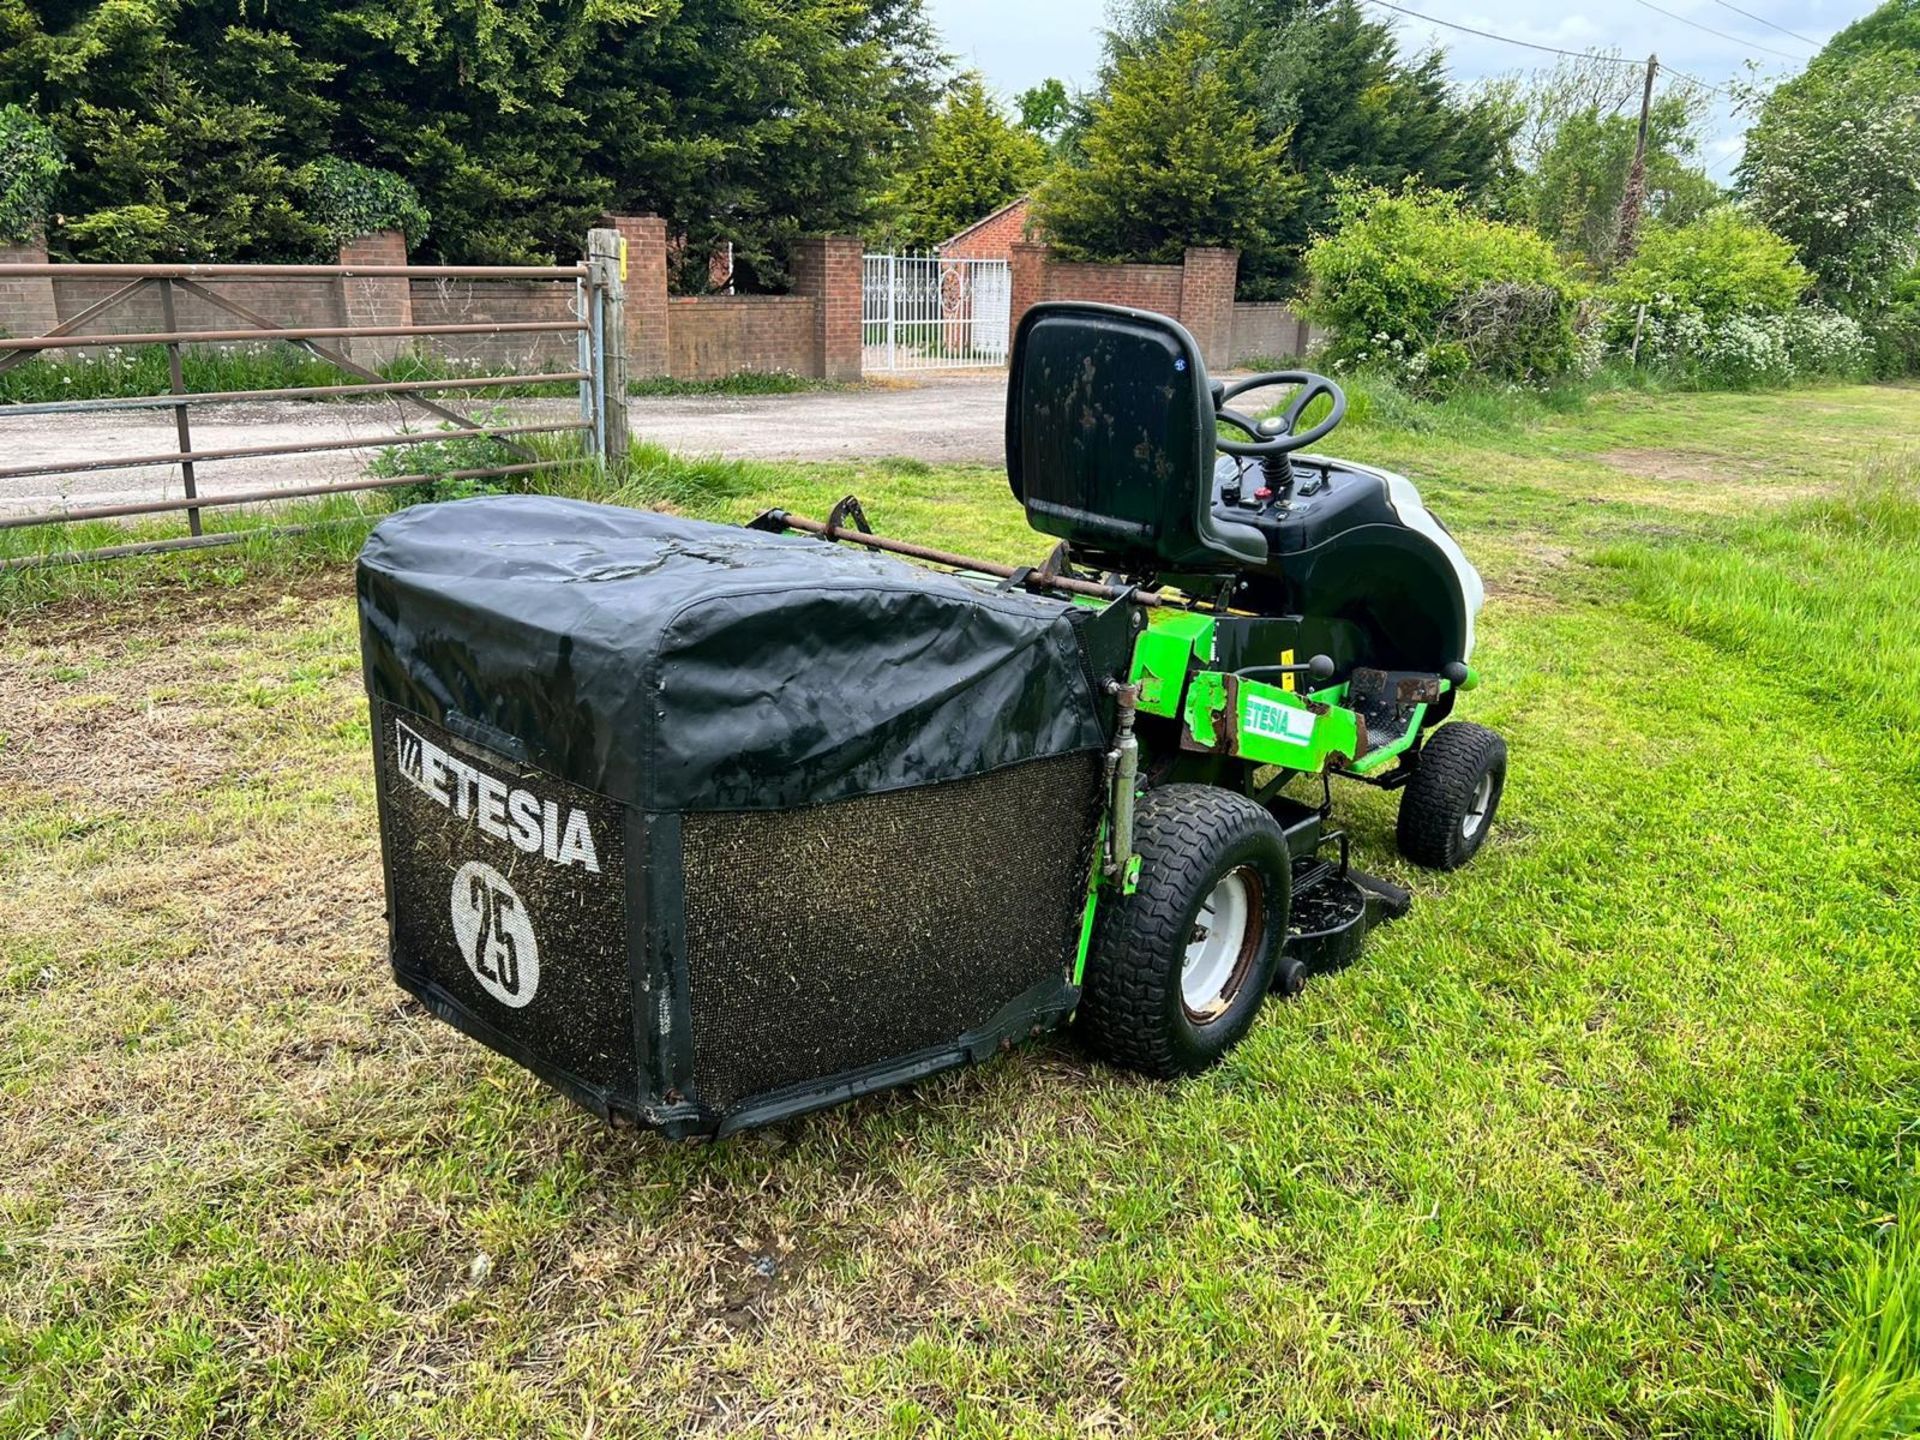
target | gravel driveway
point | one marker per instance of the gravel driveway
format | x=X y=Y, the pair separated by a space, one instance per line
x=946 y=419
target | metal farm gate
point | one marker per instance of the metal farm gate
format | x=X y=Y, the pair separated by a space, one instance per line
x=172 y=482
x=933 y=312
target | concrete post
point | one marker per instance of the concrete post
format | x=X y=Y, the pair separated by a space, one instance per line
x=603 y=281
x=376 y=299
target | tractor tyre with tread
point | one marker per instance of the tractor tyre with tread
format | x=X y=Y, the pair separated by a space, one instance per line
x=1179 y=968
x=1448 y=806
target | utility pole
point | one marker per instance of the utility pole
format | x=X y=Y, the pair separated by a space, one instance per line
x=1627 y=238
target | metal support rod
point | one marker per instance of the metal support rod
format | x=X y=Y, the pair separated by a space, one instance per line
x=297 y=272
x=290 y=392
x=310 y=332
x=1151 y=598
x=335 y=357
x=262 y=497
x=1124 y=763
x=162 y=547
x=72 y=322
x=255 y=452
x=583 y=343
x=177 y=382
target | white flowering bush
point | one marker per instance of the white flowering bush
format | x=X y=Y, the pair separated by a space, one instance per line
x=1833 y=164
x=1822 y=341
x=1746 y=351
x=1750 y=350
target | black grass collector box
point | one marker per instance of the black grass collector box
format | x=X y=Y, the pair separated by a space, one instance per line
x=707 y=826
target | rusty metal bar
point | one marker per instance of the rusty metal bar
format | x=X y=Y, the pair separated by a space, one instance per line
x=298 y=272
x=159 y=547
x=968 y=562
x=336 y=357
x=312 y=332
x=256 y=452
x=7 y=362
x=291 y=392
x=263 y=497
x=177 y=382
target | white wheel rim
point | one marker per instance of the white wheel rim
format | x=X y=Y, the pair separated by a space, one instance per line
x=1477 y=808
x=1223 y=933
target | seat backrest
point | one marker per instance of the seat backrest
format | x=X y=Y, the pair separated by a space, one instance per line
x=1110 y=430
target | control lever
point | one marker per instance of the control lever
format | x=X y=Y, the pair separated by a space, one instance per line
x=1320 y=667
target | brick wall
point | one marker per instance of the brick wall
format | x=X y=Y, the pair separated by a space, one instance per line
x=302 y=303
x=1145 y=287
x=465 y=302
x=713 y=336
x=1268 y=331
x=815 y=332
x=992 y=238
x=1198 y=292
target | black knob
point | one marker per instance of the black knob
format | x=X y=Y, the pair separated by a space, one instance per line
x=1454 y=673
x=1320 y=667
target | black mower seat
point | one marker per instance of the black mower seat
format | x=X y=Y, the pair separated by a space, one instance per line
x=1110 y=442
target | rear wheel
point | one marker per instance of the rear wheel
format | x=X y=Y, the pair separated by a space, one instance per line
x=1449 y=804
x=1179 y=968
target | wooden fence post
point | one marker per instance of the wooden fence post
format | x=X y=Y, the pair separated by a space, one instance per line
x=607 y=262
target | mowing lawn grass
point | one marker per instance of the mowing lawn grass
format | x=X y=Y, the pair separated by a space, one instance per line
x=1613 y=1135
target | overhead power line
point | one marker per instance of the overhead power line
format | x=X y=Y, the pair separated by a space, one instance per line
x=1761 y=19
x=1721 y=34
x=1506 y=39
x=1548 y=49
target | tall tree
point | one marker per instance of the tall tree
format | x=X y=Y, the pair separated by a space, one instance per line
x=1170 y=157
x=1894 y=26
x=1331 y=86
x=184 y=131
x=1574 y=142
x=975 y=161
x=1045 y=108
x=1833 y=164
x=190 y=125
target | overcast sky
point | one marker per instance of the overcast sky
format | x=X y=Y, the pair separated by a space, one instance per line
x=1018 y=42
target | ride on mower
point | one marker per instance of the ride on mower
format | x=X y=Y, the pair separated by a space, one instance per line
x=711 y=825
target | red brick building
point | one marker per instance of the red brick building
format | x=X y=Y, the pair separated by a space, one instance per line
x=991 y=238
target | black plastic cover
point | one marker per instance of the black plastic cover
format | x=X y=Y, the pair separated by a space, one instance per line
x=680 y=666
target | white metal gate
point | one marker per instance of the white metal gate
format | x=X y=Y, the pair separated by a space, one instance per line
x=931 y=312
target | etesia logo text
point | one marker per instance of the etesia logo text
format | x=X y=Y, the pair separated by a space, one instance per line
x=537 y=826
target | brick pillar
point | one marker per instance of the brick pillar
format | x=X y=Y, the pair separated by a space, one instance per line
x=26 y=301
x=1027 y=274
x=646 y=237
x=827 y=268
x=376 y=299
x=1207 y=278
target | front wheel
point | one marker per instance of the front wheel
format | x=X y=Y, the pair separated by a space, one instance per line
x=1449 y=804
x=1178 y=968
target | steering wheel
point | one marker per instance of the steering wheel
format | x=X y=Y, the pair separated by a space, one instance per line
x=1274 y=436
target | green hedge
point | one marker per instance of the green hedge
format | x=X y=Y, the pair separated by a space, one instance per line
x=1414 y=282
x=347 y=199
x=31 y=165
